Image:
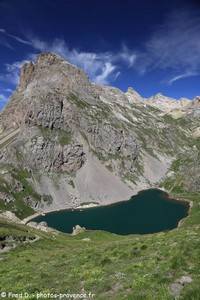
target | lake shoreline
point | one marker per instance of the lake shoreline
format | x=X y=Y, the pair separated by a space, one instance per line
x=183 y=200
x=95 y=205
x=80 y=207
x=190 y=204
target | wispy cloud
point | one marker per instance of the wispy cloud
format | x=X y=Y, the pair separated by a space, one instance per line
x=102 y=67
x=174 y=47
x=182 y=76
x=107 y=69
x=14 y=37
x=127 y=55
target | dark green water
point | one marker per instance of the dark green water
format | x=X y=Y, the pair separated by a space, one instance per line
x=148 y=212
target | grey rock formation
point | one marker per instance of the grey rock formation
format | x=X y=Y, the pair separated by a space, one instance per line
x=6 y=197
x=178 y=285
x=133 y=96
x=78 y=229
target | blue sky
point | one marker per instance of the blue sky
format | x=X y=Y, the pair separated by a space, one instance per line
x=152 y=46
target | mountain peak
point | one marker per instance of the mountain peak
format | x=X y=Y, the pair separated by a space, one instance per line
x=133 y=95
x=49 y=69
x=48 y=58
x=44 y=59
x=161 y=97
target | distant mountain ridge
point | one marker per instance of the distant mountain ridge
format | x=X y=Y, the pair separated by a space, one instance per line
x=162 y=102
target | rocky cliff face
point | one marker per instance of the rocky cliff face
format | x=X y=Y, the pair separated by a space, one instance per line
x=67 y=140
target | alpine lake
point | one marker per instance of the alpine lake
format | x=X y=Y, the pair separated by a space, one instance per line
x=149 y=211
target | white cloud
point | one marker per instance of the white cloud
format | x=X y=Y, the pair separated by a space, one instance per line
x=182 y=76
x=102 y=67
x=127 y=55
x=99 y=66
x=117 y=75
x=174 y=47
x=106 y=71
x=14 y=37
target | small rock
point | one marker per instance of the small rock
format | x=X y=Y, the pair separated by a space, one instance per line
x=42 y=226
x=175 y=289
x=178 y=285
x=78 y=229
x=43 y=223
x=184 y=279
x=32 y=224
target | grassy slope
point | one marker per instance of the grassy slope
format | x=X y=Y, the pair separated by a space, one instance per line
x=111 y=266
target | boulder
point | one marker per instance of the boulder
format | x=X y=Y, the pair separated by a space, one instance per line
x=78 y=229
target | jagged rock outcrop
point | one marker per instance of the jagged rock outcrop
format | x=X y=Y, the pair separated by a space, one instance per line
x=27 y=72
x=133 y=96
x=63 y=129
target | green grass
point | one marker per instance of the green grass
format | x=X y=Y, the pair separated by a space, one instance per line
x=46 y=132
x=78 y=102
x=178 y=163
x=111 y=266
x=64 y=137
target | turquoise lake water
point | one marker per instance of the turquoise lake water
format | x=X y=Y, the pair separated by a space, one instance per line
x=148 y=212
